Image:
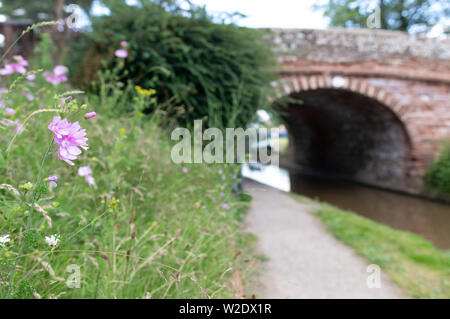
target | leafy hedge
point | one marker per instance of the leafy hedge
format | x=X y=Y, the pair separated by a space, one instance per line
x=438 y=174
x=217 y=72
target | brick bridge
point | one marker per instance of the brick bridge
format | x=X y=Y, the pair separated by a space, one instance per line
x=375 y=104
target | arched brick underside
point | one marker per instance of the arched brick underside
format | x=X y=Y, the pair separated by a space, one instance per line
x=349 y=129
x=293 y=84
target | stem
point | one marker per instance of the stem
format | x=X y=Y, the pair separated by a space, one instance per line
x=84 y=227
x=33 y=200
x=25 y=121
x=11 y=46
x=34 y=26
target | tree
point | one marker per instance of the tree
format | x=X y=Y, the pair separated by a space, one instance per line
x=217 y=72
x=42 y=10
x=413 y=16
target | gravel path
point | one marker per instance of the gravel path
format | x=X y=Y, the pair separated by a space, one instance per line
x=305 y=261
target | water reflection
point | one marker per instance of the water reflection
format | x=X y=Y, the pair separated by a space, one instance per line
x=424 y=217
x=268 y=175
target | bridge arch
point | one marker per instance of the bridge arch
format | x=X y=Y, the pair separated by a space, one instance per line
x=405 y=77
x=346 y=128
x=289 y=85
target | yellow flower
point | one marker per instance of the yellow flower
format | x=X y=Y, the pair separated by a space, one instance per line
x=144 y=91
x=122 y=131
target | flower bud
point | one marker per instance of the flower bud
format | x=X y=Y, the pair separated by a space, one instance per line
x=26 y=186
x=90 y=115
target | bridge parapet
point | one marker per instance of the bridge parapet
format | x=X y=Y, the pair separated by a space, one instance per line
x=352 y=45
x=363 y=52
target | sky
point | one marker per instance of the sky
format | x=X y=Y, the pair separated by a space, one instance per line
x=270 y=13
x=261 y=13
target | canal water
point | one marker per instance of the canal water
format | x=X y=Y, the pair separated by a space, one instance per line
x=424 y=217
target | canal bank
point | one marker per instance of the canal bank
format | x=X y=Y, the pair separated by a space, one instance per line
x=294 y=234
x=427 y=218
x=303 y=259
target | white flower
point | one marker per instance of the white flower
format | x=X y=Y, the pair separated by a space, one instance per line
x=84 y=171
x=87 y=173
x=4 y=240
x=90 y=180
x=52 y=241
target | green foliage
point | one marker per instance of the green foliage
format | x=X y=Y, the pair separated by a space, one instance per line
x=217 y=72
x=437 y=175
x=24 y=290
x=43 y=52
x=403 y=15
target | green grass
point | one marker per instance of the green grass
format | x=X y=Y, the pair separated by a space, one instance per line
x=168 y=237
x=413 y=263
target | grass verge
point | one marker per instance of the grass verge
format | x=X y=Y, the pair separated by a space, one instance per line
x=411 y=262
x=148 y=229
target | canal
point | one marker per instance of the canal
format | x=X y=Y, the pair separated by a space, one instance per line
x=424 y=217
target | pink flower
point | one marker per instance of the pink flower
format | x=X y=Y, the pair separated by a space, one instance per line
x=123 y=44
x=29 y=96
x=226 y=206
x=68 y=136
x=18 y=67
x=84 y=171
x=31 y=77
x=121 y=53
x=52 y=180
x=222 y=194
x=87 y=173
x=90 y=180
x=6 y=122
x=57 y=76
x=60 y=70
x=10 y=111
x=19 y=127
x=90 y=115
x=185 y=170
